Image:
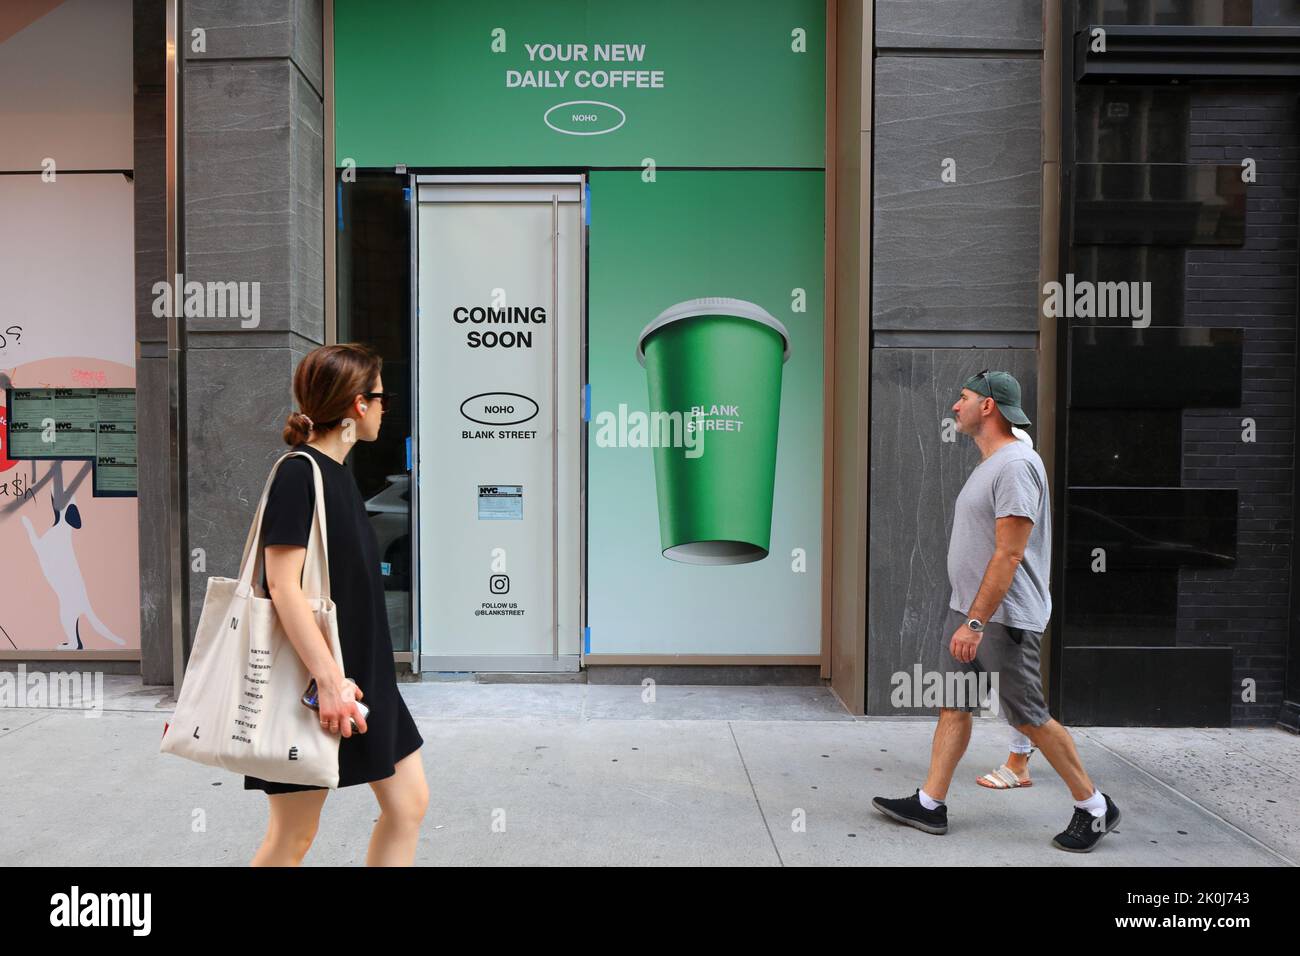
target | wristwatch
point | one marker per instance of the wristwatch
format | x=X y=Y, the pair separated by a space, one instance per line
x=976 y=625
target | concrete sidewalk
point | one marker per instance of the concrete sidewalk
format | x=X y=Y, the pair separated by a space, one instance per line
x=591 y=774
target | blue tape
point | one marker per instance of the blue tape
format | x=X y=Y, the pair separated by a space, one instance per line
x=586 y=640
x=586 y=188
x=408 y=452
x=406 y=193
x=586 y=402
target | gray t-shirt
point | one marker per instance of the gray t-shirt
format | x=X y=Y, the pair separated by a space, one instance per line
x=1011 y=481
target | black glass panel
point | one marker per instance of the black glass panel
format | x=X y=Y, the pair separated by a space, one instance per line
x=1121 y=607
x=1275 y=13
x=1163 y=266
x=1155 y=368
x=1125 y=446
x=1148 y=687
x=1194 y=13
x=374 y=307
x=1131 y=124
x=1146 y=203
x=1152 y=527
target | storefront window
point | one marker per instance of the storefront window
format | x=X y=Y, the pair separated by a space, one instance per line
x=374 y=307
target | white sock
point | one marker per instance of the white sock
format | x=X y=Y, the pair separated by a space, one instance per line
x=928 y=801
x=1096 y=804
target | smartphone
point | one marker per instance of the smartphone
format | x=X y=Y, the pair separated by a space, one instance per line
x=311 y=698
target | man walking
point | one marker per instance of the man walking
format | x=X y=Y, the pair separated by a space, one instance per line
x=999 y=559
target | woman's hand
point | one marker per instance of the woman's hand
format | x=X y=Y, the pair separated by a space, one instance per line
x=337 y=699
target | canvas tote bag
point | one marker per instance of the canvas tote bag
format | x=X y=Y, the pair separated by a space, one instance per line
x=240 y=706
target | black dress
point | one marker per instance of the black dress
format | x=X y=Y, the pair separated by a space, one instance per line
x=357 y=589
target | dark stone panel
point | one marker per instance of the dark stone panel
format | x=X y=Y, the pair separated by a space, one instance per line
x=238 y=205
x=1148 y=687
x=956 y=255
x=254 y=191
x=309 y=42
x=915 y=479
x=254 y=203
x=149 y=201
x=150 y=204
x=960 y=24
x=238 y=402
x=149 y=44
x=307 y=200
x=152 y=449
x=260 y=30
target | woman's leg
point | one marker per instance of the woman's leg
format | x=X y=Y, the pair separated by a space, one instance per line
x=403 y=798
x=1018 y=759
x=291 y=828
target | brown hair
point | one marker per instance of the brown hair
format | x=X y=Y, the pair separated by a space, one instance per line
x=324 y=384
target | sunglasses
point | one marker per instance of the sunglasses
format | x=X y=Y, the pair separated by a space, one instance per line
x=984 y=375
x=386 y=397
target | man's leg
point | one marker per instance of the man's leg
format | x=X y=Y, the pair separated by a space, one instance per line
x=925 y=809
x=1058 y=747
x=951 y=737
x=1014 y=772
x=1018 y=757
x=1095 y=813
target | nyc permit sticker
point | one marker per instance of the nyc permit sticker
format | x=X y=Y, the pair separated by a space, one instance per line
x=500 y=502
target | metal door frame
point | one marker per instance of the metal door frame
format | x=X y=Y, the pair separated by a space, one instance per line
x=504 y=663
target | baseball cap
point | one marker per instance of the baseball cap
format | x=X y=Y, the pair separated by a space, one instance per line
x=1003 y=388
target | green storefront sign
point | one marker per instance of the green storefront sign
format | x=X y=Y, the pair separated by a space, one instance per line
x=579 y=83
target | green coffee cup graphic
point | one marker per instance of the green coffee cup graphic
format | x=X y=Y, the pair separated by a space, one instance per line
x=717 y=362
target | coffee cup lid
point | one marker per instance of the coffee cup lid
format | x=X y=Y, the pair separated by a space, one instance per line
x=712 y=305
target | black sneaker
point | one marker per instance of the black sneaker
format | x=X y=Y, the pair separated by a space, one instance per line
x=1085 y=830
x=910 y=811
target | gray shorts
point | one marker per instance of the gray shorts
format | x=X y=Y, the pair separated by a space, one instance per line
x=1007 y=659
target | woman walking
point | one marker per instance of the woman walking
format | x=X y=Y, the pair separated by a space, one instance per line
x=341 y=396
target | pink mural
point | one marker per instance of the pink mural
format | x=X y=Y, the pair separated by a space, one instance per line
x=71 y=567
x=69 y=558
